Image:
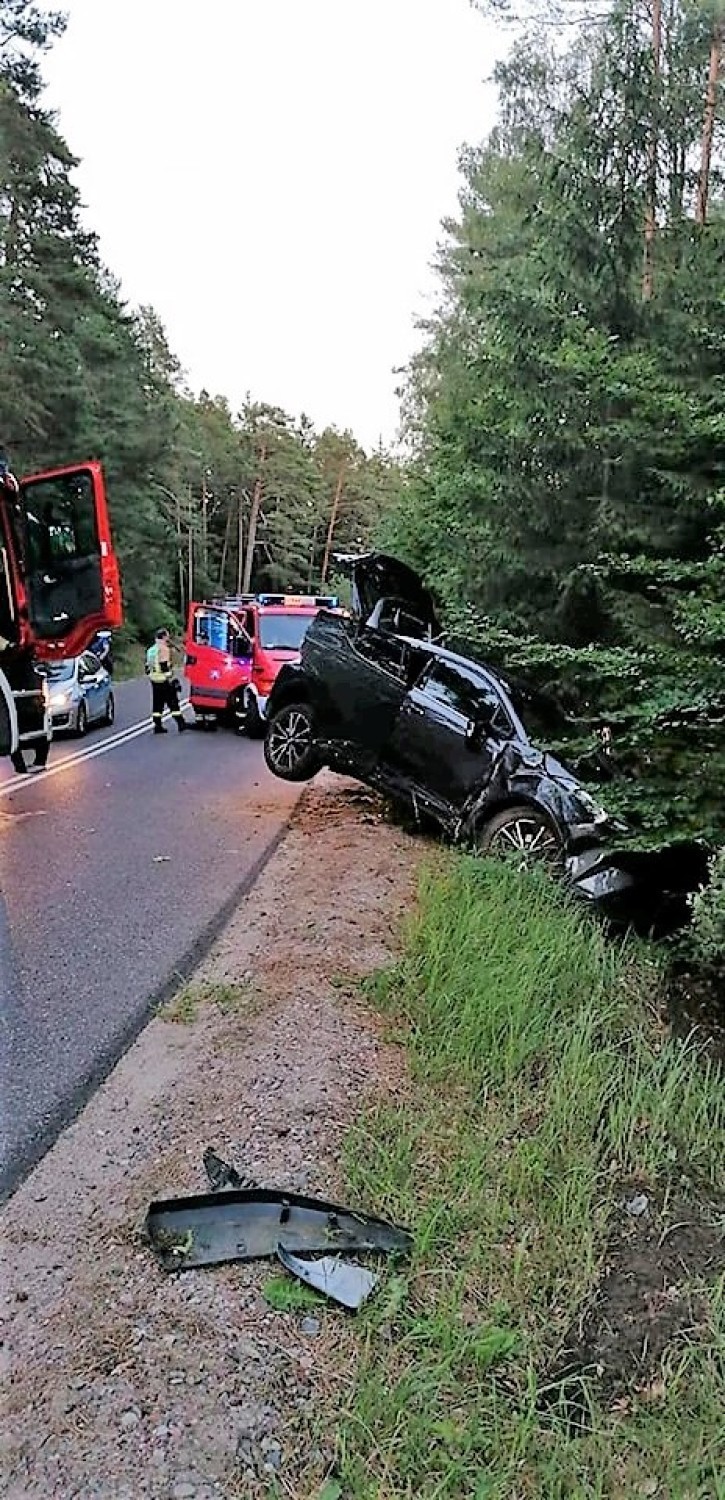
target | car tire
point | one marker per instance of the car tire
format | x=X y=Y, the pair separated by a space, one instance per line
x=290 y=747
x=525 y=831
x=254 y=725
x=82 y=721
x=110 y=710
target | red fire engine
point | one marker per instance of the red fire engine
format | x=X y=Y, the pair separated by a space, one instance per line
x=59 y=585
x=235 y=646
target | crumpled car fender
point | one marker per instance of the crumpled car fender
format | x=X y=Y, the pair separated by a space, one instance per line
x=515 y=777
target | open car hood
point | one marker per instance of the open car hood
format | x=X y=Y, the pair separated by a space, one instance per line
x=376 y=576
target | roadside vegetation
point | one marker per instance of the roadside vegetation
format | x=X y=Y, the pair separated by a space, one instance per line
x=561 y=1159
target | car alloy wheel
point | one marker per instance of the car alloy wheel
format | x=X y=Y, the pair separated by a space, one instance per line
x=82 y=720
x=110 y=709
x=524 y=835
x=289 y=747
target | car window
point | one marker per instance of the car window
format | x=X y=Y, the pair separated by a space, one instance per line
x=387 y=652
x=61 y=520
x=211 y=628
x=465 y=692
x=59 y=671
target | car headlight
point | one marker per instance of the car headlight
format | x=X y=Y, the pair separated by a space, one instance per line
x=58 y=700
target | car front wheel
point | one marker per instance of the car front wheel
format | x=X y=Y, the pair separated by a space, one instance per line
x=82 y=721
x=522 y=832
x=110 y=709
x=290 y=747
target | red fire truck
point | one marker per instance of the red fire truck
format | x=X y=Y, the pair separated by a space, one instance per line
x=235 y=646
x=59 y=585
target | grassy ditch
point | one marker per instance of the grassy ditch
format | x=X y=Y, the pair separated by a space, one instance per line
x=560 y=1331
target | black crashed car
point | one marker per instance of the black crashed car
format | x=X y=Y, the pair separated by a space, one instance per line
x=378 y=697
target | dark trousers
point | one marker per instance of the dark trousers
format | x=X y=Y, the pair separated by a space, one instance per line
x=165 y=695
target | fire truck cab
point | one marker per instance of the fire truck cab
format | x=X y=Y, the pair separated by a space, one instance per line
x=59 y=585
x=235 y=646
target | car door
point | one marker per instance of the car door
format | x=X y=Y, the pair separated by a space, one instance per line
x=436 y=741
x=210 y=664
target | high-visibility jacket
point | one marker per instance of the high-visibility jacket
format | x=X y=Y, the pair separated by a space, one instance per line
x=156 y=668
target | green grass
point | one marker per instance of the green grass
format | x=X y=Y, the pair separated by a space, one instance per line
x=542 y=1082
x=286 y=1295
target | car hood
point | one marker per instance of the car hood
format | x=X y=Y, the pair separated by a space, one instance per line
x=376 y=576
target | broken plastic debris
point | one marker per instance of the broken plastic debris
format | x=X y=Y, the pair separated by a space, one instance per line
x=162 y=859
x=222 y=1175
x=249 y=1224
x=343 y=1281
x=637 y=1206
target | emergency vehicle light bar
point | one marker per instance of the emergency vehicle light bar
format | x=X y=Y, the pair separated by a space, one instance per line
x=291 y=601
x=301 y=601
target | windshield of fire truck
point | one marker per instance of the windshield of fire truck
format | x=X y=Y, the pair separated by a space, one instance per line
x=283 y=632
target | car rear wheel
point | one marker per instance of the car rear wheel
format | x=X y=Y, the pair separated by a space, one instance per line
x=522 y=832
x=110 y=709
x=290 y=747
x=82 y=721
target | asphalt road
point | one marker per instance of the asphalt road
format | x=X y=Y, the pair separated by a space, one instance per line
x=118 y=865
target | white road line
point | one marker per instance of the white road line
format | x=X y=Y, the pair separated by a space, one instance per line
x=122 y=737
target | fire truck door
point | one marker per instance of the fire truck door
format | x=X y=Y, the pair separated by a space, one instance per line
x=71 y=573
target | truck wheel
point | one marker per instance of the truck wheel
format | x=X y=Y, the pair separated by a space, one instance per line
x=290 y=746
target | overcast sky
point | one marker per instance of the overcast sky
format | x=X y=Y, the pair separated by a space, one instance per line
x=270 y=176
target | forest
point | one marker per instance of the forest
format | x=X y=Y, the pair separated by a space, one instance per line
x=203 y=498
x=560 y=475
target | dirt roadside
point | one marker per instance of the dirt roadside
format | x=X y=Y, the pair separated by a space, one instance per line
x=121 y=1381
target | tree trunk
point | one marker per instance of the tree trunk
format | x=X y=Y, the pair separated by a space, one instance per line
x=240 y=540
x=225 y=544
x=708 y=127
x=334 y=513
x=191 y=549
x=650 y=211
x=180 y=556
x=253 y=519
x=313 y=550
x=204 y=526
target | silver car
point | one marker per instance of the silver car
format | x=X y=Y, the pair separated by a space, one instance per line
x=80 y=693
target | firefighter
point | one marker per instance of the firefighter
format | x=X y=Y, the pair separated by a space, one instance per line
x=164 y=686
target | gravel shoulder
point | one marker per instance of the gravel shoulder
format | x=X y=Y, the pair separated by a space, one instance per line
x=119 y=1380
